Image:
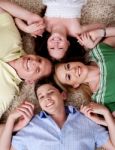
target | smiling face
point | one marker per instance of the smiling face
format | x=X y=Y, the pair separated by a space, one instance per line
x=50 y=99
x=57 y=46
x=32 y=67
x=72 y=73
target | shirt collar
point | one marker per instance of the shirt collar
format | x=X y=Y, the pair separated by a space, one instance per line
x=68 y=110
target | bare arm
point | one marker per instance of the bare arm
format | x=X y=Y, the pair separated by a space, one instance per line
x=94 y=108
x=15 y=10
x=24 y=114
x=28 y=18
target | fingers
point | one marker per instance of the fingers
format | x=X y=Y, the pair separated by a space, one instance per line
x=85 y=110
x=26 y=109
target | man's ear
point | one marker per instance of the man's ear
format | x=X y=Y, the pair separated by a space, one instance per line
x=76 y=85
x=64 y=94
x=29 y=81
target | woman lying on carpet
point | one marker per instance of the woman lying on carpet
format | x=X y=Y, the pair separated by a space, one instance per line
x=99 y=74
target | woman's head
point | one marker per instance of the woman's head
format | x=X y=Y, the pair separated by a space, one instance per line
x=71 y=73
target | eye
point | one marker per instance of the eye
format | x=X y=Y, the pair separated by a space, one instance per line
x=68 y=66
x=41 y=97
x=61 y=48
x=68 y=76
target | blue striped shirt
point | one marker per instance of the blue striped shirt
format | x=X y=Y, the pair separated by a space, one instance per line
x=77 y=133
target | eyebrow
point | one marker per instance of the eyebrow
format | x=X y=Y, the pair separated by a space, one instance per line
x=47 y=90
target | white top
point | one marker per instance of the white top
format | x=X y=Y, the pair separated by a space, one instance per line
x=64 y=8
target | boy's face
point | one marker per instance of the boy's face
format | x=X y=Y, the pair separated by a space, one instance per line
x=32 y=67
x=50 y=99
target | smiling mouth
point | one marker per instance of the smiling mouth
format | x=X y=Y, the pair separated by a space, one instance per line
x=50 y=104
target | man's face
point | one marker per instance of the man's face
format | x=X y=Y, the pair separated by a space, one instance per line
x=32 y=67
x=50 y=99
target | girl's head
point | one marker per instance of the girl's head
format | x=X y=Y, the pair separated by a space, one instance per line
x=57 y=45
x=71 y=73
x=66 y=47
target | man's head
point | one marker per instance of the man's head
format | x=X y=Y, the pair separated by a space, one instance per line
x=32 y=67
x=51 y=99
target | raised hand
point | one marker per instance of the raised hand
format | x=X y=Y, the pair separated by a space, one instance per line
x=22 y=115
x=92 y=110
x=35 y=29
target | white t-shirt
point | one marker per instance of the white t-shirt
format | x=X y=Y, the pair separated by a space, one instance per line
x=64 y=8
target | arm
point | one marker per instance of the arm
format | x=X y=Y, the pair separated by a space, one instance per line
x=92 y=38
x=34 y=29
x=94 y=108
x=23 y=14
x=24 y=114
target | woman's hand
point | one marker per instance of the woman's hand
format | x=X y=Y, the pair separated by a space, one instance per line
x=93 y=110
x=22 y=115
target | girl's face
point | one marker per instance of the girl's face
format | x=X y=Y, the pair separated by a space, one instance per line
x=72 y=73
x=57 y=46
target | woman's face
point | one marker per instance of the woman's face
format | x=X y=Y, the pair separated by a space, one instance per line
x=72 y=73
x=57 y=46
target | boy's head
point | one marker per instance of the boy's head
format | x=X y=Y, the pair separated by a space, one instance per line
x=50 y=97
x=32 y=67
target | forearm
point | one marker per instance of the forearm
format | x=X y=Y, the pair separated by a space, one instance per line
x=90 y=27
x=15 y=10
x=21 y=25
x=111 y=126
x=6 y=135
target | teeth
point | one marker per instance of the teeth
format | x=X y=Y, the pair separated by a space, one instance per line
x=49 y=104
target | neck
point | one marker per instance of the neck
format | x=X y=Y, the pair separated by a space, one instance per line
x=59 y=29
x=93 y=77
x=12 y=64
x=60 y=117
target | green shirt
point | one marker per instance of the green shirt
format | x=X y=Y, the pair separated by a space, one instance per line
x=104 y=56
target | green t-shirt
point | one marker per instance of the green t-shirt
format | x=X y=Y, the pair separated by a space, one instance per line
x=104 y=56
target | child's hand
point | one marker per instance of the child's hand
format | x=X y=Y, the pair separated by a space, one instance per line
x=23 y=115
x=85 y=40
x=96 y=34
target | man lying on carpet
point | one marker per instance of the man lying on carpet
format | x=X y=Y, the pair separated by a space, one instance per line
x=15 y=65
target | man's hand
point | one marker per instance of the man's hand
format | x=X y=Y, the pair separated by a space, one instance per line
x=36 y=25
